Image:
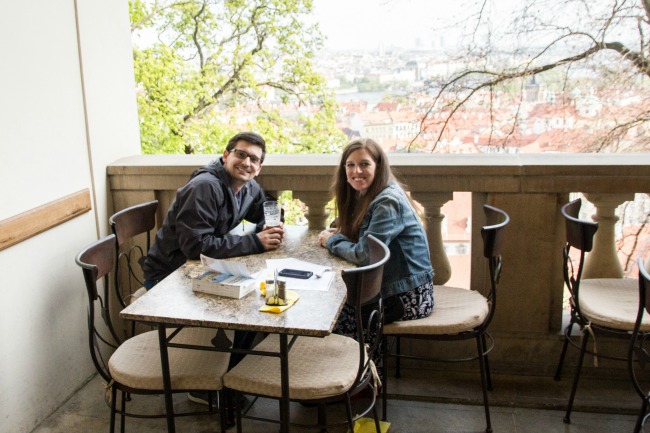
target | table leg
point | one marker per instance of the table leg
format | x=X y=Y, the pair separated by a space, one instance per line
x=167 y=381
x=284 y=378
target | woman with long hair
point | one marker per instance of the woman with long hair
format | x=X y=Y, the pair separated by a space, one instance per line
x=371 y=201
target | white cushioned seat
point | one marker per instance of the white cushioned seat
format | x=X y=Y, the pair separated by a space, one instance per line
x=313 y=373
x=136 y=363
x=612 y=302
x=454 y=310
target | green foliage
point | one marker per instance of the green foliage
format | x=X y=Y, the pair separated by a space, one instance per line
x=221 y=66
x=294 y=210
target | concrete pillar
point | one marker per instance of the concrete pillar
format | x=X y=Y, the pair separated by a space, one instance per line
x=432 y=203
x=603 y=261
x=316 y=202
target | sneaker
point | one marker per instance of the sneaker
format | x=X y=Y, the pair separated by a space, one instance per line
x=200 y=398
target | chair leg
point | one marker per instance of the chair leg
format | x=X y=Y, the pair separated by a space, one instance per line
x=123 y=414
x=642 y=413
x=488 y=376
x=567 y=332
x=237 y=408
x=481 y=360
x=322 y=417
x=374 y=412
x=348 y=412
x=384 y=387
x=221 y=408
x=398 y=351
x=574 y=387
x=113 y=403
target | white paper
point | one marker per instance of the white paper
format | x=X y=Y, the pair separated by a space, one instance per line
x=320 y=281
x=226 y=267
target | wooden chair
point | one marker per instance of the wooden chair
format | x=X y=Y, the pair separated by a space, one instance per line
x=329 y=369
x=599 y=306
x=639 y=353
x=458 y=314
x=133 y=367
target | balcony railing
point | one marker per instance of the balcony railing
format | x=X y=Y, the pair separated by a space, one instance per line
x=531 y=188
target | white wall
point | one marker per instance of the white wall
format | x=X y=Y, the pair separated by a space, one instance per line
x=47 y=152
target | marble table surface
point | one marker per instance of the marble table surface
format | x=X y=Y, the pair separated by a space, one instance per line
x=173 y=302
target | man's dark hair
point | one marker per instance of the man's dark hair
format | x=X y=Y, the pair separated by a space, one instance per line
x=249 y=137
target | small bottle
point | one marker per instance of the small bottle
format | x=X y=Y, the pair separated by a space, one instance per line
x=270 y=286
x=281 y=290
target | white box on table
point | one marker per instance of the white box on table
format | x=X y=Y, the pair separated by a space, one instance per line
x=217 y=283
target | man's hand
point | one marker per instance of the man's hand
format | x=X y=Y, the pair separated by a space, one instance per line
x=271 y=237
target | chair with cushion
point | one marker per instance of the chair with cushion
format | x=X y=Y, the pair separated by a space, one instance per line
x=599 y=306
x=134 y=367
x=329 y=369
x=132 y=228
x=458 y=314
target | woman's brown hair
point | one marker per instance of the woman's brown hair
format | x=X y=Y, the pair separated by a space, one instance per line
x=351 y=205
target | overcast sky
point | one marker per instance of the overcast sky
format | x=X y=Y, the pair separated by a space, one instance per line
x=366 y=23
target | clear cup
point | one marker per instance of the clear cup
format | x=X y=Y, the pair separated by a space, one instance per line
x=272 y=213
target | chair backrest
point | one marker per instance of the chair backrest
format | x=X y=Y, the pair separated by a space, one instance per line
x=644 y=289
x=364 y=290
x=364 y=283
x=579 y=233
x=97 y=261
x=492 y=233
x=579 y=236
x=130 y=251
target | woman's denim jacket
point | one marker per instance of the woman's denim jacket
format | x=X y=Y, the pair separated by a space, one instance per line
x=391 y=219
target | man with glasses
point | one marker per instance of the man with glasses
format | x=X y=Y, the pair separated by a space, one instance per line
x=214 y=201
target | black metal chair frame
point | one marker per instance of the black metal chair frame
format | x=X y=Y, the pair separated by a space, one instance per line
x=492 y=235
x=579 y=236
x=126 y=225
x=97 y=261
x=638 y=352
x=363 y=293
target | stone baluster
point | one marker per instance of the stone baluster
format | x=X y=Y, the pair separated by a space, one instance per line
x=316 y=202
x=432 y=203
x=603 y=261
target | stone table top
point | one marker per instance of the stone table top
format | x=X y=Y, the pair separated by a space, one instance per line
x=173 y=302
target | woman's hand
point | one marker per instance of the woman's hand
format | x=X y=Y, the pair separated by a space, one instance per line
x=324 y=236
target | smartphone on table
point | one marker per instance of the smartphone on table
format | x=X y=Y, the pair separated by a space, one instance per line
x=295 y=273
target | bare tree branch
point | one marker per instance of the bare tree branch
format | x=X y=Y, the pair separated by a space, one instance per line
x=232 y=80
x=491 y=79
x=195 y=33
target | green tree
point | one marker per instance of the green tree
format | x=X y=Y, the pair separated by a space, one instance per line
x=205 y=69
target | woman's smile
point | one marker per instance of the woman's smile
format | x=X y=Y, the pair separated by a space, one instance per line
x=360 y=170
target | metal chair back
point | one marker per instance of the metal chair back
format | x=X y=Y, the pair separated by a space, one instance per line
x=97 y=261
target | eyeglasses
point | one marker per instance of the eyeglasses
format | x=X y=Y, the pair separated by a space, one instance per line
x=243 y=155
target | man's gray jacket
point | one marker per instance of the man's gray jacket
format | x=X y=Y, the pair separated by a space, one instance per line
x=199 y=220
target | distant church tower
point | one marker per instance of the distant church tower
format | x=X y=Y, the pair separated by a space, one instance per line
x=532 y=90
